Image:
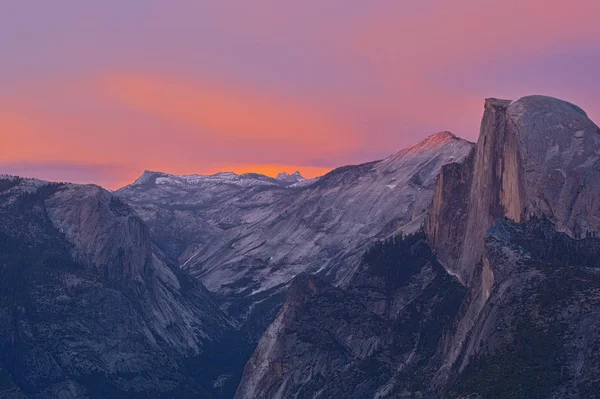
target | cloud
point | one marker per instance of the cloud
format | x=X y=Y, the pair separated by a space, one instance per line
x=64 y=130
x=422 y=55
x=197 y=87
x=69 y=132
x=228 y=113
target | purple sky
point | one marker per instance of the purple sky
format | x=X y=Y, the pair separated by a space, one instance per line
x=99 y=91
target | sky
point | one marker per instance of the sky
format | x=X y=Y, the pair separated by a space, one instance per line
x=97 y=92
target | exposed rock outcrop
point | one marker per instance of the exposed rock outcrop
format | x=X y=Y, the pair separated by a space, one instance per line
x=537 y=334
x=377 y=338
x=537 y=156
x=105 y=232
x=527 y=324
x=89 y=308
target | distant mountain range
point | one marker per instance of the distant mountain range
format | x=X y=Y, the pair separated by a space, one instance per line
x=246 y=237
x=449 y=269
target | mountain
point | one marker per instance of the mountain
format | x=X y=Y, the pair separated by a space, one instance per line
x=538 y=156
x=247 y=236
x=445 y=270
x=496 y=298
x=288 y=180
x=90 y=308
x=388 y=334
x=369 y=340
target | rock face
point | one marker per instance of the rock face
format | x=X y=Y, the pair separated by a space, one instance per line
x=245 y=237
x=89 y=308
x=377 y=338
x=387 y=335
x=538 y=333
x=538 y=156
x=104 y=231
x=535 y=157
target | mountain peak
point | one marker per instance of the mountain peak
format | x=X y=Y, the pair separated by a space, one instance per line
x=442 y=136
x=146 y=177
x=295 y=177
x=436 y=140
x=542 y=103
x=496 y=103
x=536 y=156
x=285 y=174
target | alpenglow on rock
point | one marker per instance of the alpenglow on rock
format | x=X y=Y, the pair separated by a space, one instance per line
x=537 y=156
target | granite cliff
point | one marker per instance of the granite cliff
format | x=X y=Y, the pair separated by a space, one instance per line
x=537 y=156
x=90 y=308
x=387 y=335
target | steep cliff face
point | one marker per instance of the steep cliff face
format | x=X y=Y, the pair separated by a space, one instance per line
x=377 y=338
x=538 y=333
x=537 y=156
x=535 y=332
x=496 y=187
x=89 y=308
x=447 y=218
x=104 y=231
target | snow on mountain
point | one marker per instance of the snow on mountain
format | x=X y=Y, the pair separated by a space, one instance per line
x=243 y=180
x=294 y=178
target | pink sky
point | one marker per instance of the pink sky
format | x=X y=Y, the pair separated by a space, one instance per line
x=99 y=91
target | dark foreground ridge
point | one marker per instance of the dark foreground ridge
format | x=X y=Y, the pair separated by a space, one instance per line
x=88 y=308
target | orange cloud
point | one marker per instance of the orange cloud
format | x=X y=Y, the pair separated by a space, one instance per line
x=110 y=146
x=22 y=138
x=375 y=81
x=230 y=113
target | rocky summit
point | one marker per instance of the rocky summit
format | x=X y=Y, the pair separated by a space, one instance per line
x=537 y=156
x=446 y=270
